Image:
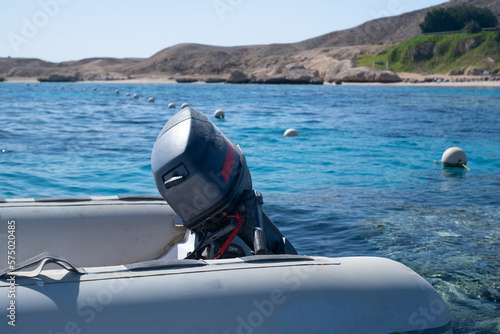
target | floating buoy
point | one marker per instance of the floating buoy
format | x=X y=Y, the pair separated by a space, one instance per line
x=151 y=100
x=94 y=89
x=219 y=114
x=184 y=105
x=128 y=94
x=117 y=91
x=291 y=133
x=454 y=157
x=136 y=96
x=171 y=105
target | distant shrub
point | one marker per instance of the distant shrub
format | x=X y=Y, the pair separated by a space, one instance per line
x=456 y=18
x=466 y=13
x=472 y=27
x=439 y=19
x=394 y=55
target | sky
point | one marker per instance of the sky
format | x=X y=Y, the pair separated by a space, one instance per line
x=63 y=30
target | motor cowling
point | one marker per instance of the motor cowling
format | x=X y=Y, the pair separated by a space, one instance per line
x=197 y=169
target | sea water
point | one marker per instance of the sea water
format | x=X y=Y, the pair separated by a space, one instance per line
x=359 y=180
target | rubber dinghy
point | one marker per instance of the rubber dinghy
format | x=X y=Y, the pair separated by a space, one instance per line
x=202 y=258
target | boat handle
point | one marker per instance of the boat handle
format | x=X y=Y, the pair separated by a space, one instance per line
x=40 y=261
x=173 y=181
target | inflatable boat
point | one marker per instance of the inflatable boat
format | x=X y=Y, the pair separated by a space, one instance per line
x=201 y=258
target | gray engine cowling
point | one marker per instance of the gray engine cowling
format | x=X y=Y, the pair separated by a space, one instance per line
x=197 y=169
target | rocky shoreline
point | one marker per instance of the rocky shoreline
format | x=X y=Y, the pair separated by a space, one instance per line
x=407 y=79
x=358 y=76
x=281 y=75
x=313 y=68
x=451 y=79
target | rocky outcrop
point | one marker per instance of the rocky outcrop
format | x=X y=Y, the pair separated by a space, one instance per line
x=70 y=76
x=421 y=52
x=387 y=77
x=366 y=74
x=345 y=71
x=292 y=74
x=470 y=70
x=465 y=46
x=101 y=76
x=238 y=77
x=457 y=71
x=186 y=80
x=215 y=80
x=298 y=74
x=488 y=60
x=474 y=70
x=332 y=74
x=60 y=78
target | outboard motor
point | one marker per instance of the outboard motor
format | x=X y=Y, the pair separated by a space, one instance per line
x=206 y=181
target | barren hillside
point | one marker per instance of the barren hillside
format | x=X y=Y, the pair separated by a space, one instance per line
x=310 y=58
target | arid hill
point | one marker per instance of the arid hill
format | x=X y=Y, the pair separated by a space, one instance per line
x=86 y=69
x=325 y=57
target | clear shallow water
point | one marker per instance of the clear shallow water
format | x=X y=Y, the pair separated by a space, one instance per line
x=359 y=180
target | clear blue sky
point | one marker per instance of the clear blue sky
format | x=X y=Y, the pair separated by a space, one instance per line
x=57 y=30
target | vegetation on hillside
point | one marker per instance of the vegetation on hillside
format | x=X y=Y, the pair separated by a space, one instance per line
x=457 y=18
x=439 y=53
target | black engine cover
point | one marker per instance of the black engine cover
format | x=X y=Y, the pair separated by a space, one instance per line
x=197 y=169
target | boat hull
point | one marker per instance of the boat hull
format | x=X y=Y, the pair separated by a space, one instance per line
x=248 y=295
x=135 y=280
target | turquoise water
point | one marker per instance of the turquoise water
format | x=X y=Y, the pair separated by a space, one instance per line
x=359 y=180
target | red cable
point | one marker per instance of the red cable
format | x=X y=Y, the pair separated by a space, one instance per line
x=231 y=236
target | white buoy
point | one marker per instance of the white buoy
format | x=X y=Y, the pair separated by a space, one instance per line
x=151 y=100
x=136 y=96
x=184 y=105
x=219 y=114
x=291 y=133
x=128 y=94
x=171 y=105
x=454 y=157
x=117 y=91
